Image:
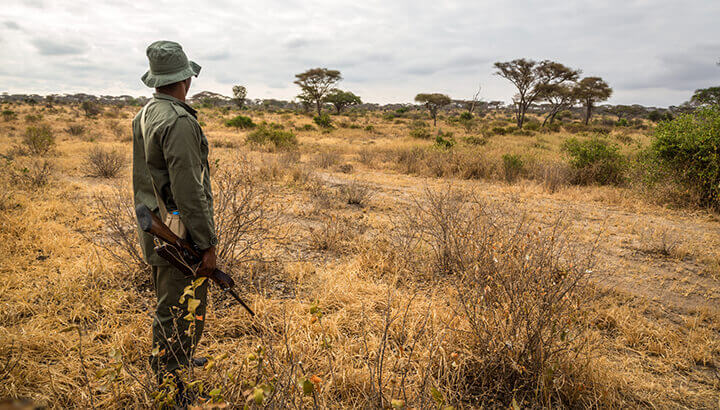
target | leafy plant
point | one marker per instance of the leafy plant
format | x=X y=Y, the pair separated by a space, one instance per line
x=39 y=140
x=513 y=166
x=265 y=134
x=323 y=121
x=240 y=122
x=687 y=149
x=595 y=161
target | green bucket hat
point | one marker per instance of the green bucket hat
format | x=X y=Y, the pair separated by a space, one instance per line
x=168 y=64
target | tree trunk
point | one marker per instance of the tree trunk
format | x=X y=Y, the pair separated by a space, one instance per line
x=588 y=111
x=434 y=119
x=319 y=107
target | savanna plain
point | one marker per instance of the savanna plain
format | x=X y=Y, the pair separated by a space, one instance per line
x=391 y=264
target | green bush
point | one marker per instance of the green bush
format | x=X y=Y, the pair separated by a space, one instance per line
x=265 y=134
x=9 y=115
x=39 y=140
x=687 y=149
x=595 y=161
x=498 y=131
x=323 y=121
x=306 y=127
x=622 y=122
x=473 y=140
x=466 y=116
x=444 y=140
x=33 y=118
x=421 y=133
x=532 y=125
x=513 y=167
x=240 y=122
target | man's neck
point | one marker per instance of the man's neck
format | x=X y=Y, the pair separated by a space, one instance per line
x=179 y=94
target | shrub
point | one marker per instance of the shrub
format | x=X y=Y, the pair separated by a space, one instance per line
x=687 y=149
x=369 y=128
x=33 y=174
x=512 y=166
x=444 y=140
x=9 y=115
x=418 y=124
x=355 y=193
x=39 y=140
x=75 y=130
x=240 y=122
x=421 y=133
x=33 y=118
x=622 y=122
x=279 y=138
x=104 y=164
x=91 y=109
x=474 y=140
x=498 y=131
x=595 y=161
x=306 y=127
x=532 y=125
x=323 y=121
x=466 y=116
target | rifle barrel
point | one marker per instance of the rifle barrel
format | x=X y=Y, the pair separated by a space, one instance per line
x=235 y=295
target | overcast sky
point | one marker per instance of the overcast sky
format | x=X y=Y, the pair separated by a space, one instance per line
x=652 y=52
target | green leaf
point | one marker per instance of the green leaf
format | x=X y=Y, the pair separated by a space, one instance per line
x=397 y=403
x=215 y=392
x=307 y=386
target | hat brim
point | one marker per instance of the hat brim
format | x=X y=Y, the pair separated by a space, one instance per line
x=158 y=80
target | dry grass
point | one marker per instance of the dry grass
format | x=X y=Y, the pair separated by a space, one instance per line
x=425 y=297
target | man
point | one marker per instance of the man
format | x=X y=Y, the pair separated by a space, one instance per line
x=171 y=177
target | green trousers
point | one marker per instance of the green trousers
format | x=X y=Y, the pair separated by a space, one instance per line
x=173 y=344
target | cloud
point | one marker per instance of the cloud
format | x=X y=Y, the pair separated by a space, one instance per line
x=388 y=51
x=48 y=47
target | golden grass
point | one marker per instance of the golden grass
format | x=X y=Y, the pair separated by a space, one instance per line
x=649 y=318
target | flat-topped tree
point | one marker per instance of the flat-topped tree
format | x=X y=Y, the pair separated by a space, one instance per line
x=433 y=102
x=560 y=97
x=591 y=90
x=341 y=99
x=530 y=77
x=316 y=83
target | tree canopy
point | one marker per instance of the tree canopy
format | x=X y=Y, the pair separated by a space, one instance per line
x=531 y=78
x=433 y=102
x=315 y=84
x=341 y=99
x=591 y=90
x=239 y=94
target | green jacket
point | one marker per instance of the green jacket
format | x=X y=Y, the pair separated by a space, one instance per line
x=174 y=155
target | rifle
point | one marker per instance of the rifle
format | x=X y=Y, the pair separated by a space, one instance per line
x=182 y=253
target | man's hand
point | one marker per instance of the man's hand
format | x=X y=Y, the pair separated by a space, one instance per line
x=208 y=263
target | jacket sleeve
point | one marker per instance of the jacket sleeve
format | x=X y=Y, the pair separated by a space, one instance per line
x=182 y=150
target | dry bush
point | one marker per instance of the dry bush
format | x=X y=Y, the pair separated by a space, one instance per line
x=334 y=233
x=517 y=290
x=39 y=140
x=243 y=220
x=552 y=175
x=244 y=215
x=355 y=193
x=367 y=157
x=103 y=163
x=327 y=158
x=76 y=130
x=120 y=130
x=30 y=174
x=409 y=160
x=116 y=213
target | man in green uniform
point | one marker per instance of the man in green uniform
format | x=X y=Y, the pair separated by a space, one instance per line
x=171 y=177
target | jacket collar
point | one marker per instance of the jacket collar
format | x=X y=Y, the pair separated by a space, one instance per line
x=166 y=97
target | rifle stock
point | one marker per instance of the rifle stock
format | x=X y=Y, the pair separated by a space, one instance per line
x=182 y=253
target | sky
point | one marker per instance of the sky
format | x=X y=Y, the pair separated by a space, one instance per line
x=652 y=52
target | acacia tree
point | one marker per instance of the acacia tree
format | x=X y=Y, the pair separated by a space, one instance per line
x=560 y=97
x=239 y=94
x=342 y=99
x=591 y=90
x=706 y=96
x=530 y=78
x=626 y=111
x=315 y=83
x=433 y=102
